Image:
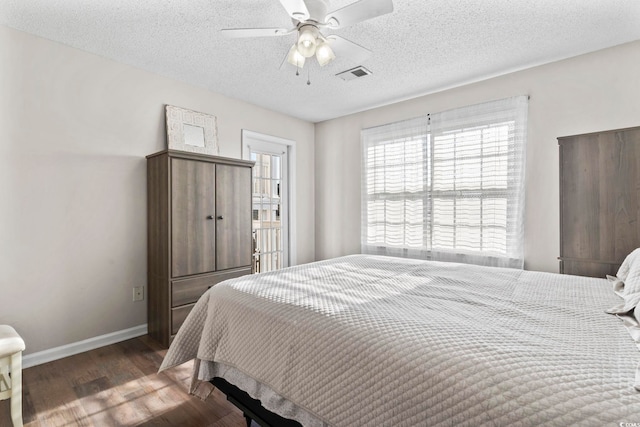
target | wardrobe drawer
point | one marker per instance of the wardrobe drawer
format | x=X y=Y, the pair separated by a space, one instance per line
x=177 y=317
x=187 y=291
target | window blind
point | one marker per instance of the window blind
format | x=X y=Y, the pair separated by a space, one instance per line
x=449 y=186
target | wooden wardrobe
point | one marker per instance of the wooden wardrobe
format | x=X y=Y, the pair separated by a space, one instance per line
x=599 y=201
x=199 y=232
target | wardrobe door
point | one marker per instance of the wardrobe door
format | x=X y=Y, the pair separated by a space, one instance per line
x=233 y=216
x=193 y=225
x=599 y=201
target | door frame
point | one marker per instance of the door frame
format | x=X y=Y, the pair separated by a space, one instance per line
x=250 y=137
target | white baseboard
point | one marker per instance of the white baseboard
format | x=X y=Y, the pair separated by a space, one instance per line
x=56 y=353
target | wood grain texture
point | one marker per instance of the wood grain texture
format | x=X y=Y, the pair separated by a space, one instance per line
x=117 y=385
x=193 y=227
x=178 y=316
x=158 y=309
x=233 y=212
x=599 y=203
x=182 y=206
x=158 y=215
x=175 y=154
x=158 y=195
x=187 y=291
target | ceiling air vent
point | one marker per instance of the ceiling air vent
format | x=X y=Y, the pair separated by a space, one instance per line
x=354 y=73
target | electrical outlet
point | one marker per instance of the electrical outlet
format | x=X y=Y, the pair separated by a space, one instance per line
x=138 y=293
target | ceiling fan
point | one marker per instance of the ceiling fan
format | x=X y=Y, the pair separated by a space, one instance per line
x=309 y=17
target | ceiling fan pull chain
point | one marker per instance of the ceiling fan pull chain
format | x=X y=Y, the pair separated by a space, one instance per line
x=309 y=76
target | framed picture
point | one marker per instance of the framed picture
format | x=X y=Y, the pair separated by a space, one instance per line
x=191 y=131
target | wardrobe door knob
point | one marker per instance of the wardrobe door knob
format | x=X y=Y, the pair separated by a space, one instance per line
x=220 y=217
x=209 y=216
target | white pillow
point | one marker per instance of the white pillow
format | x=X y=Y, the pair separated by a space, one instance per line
x=629 y=274
x=632 y=283
x=618 y=285
x=626 y=284
x=630 y=303
x=625 y=267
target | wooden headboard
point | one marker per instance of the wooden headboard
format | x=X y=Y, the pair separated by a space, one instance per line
x=599 y=201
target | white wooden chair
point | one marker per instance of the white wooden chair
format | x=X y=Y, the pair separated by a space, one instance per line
x=11 y=347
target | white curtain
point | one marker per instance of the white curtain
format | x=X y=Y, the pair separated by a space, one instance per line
x=449 y=186
x=395 y=167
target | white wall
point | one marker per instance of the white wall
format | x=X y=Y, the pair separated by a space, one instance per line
x=589 y=93
x=75 y=132
x=76 y=127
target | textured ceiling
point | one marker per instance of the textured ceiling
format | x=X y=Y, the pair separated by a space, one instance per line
x=422 y=47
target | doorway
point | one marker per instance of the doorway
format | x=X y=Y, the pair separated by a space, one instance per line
x=271 y=212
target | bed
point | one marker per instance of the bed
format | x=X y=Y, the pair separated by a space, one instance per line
x=380 y=341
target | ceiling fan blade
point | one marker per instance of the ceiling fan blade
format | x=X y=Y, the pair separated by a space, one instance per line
x=358 y=12
x=344 y=48
x=297 y=9
x=284 y=62
x=255 y=32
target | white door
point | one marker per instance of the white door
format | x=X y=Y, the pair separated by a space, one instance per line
x=270 y=204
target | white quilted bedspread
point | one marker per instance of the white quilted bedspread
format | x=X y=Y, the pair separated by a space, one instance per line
x=375 y=341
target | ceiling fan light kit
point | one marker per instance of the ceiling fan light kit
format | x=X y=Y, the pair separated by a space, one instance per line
x=294 y=58
x=324 y=54
x=309 y=16
x=310 y=42
x=307 y=40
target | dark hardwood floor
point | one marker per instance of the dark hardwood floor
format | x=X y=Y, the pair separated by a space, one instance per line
x=117 y=385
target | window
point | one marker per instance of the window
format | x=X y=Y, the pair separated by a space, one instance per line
x=267 y=225
x=449 y=186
